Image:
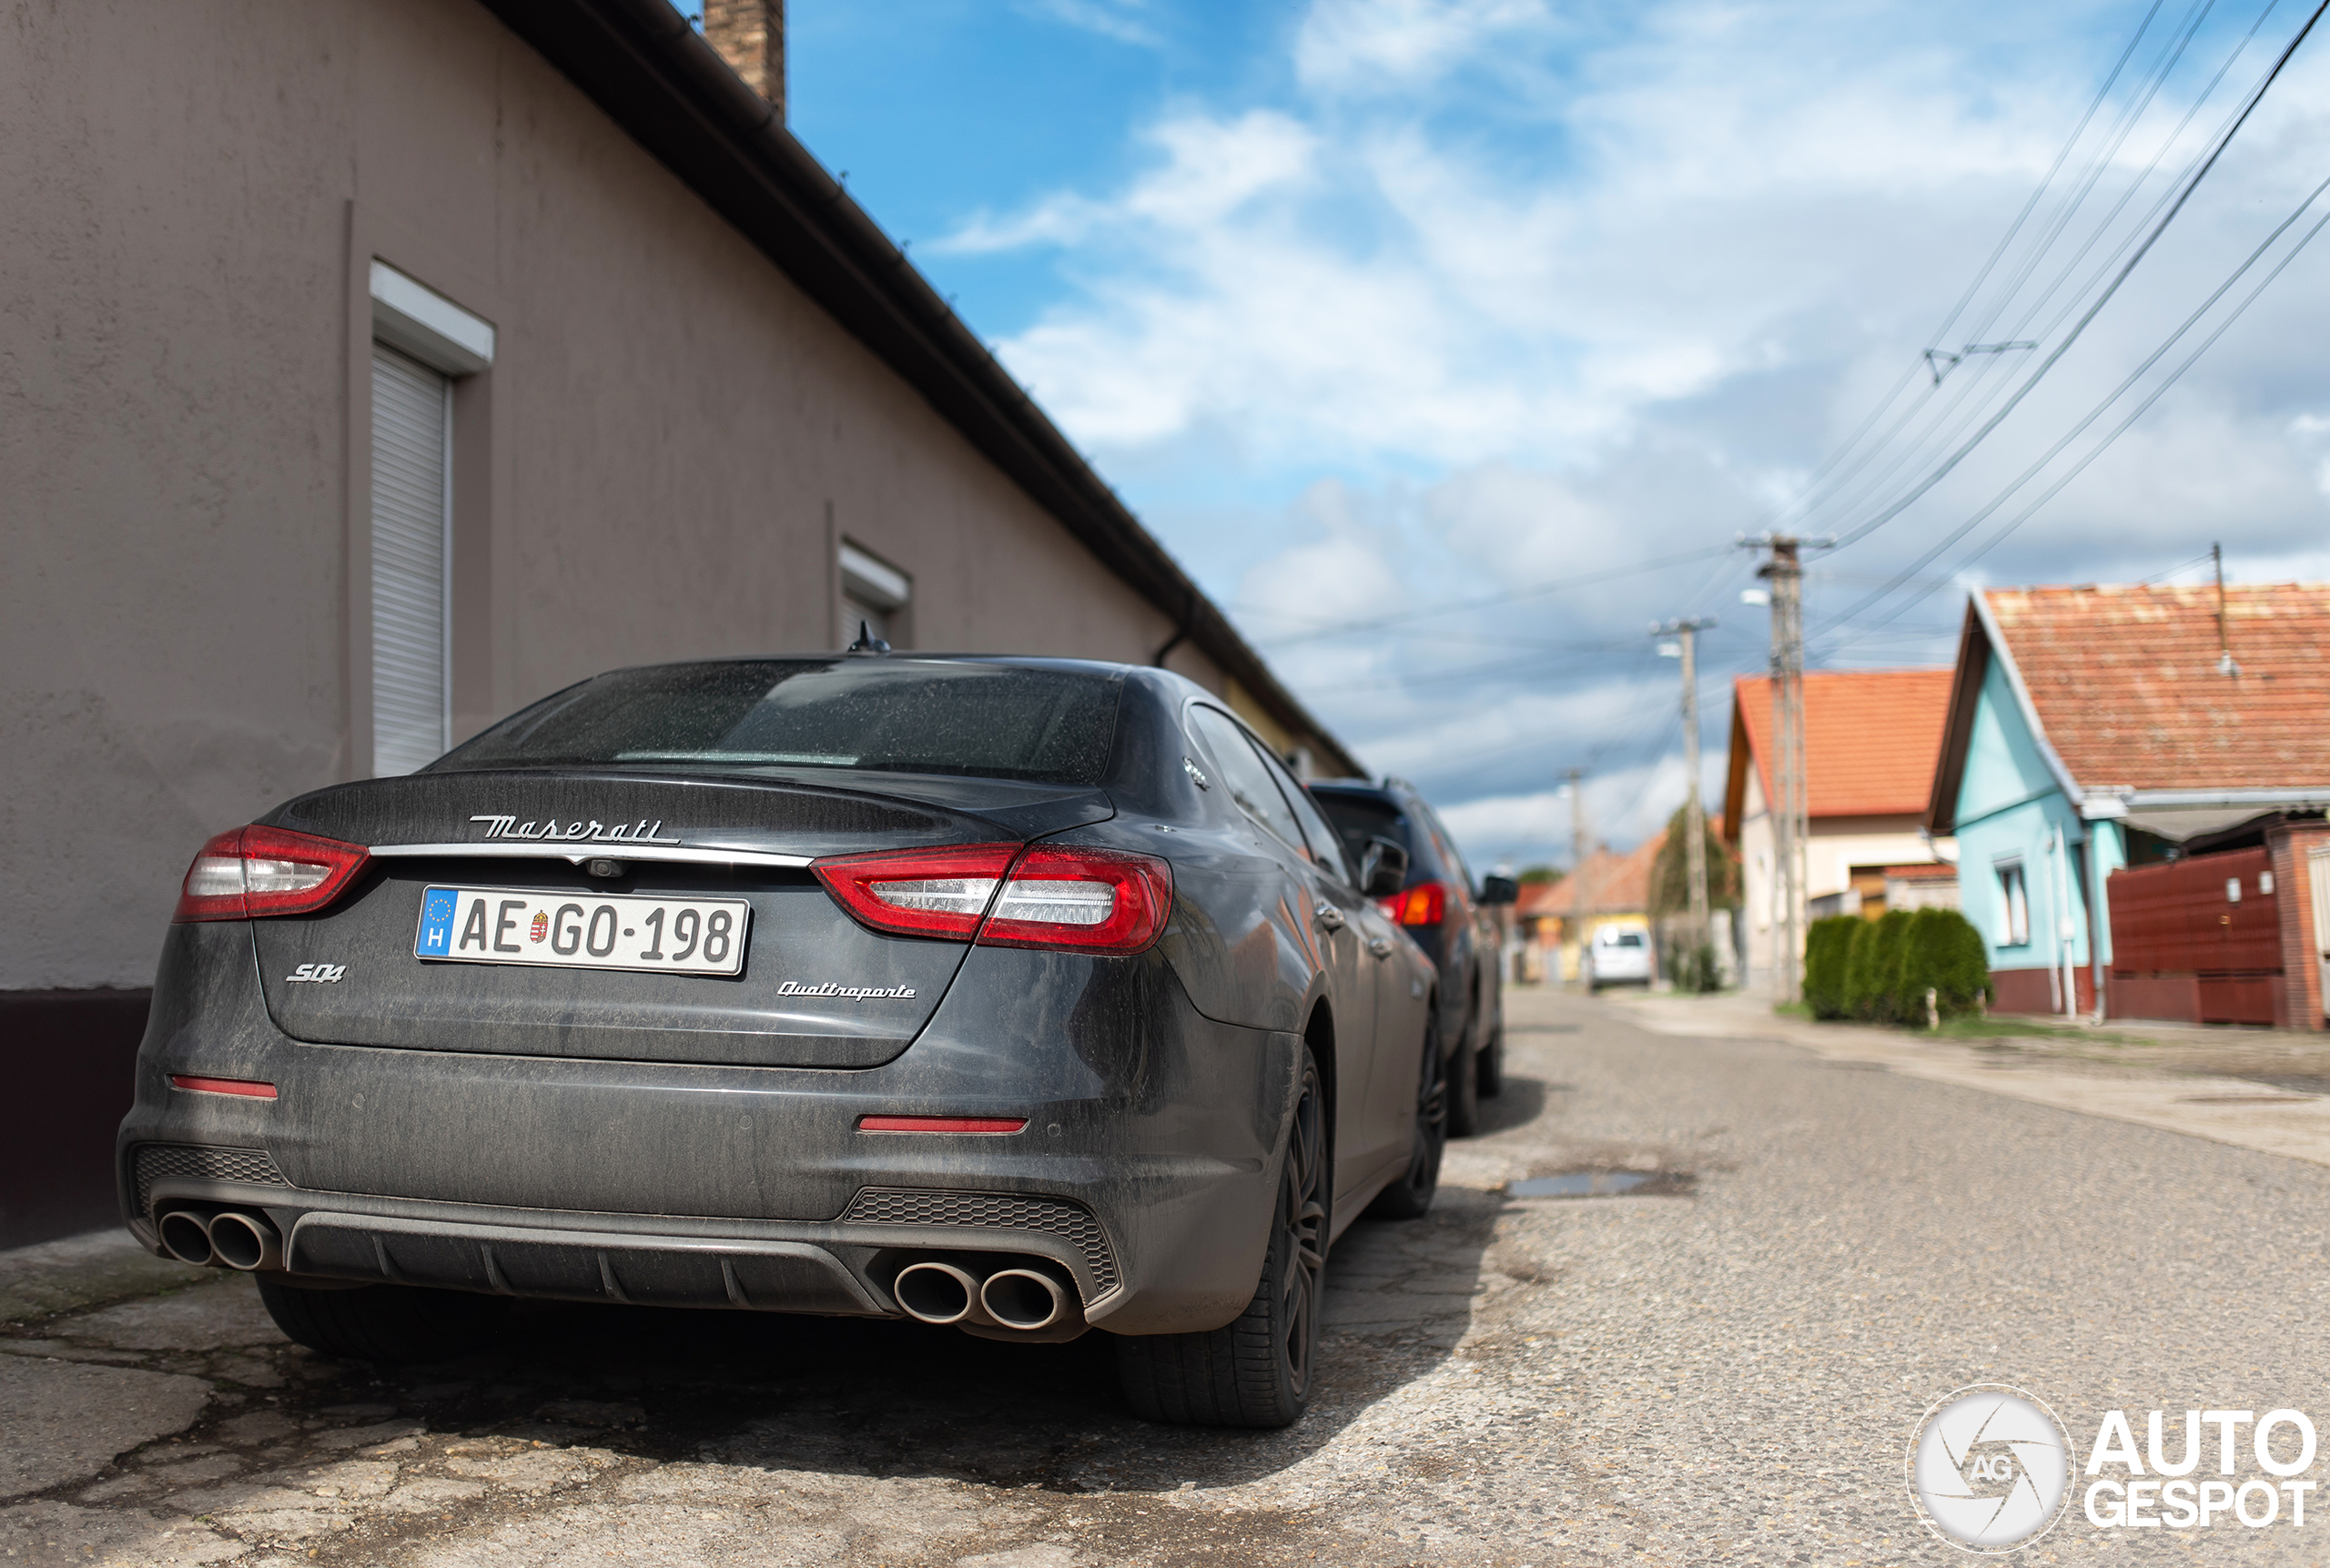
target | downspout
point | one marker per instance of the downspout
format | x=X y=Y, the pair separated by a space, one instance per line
x=2065 y=927
x=2099 y=915
x=1180 y=633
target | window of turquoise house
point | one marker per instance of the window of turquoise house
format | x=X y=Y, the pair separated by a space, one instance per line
x=2016 y=903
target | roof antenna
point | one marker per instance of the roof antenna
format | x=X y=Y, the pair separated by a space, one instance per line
x=867 y=641
x=2225 y=664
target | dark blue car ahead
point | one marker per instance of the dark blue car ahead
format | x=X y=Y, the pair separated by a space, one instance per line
x=1447 y=913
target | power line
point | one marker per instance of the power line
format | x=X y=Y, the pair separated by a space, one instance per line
x=1511 y=596
x=1803 y=502
x=2116 y=393
x=2161 y=227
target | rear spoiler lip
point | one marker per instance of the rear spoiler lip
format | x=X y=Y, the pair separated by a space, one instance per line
x=579 y=851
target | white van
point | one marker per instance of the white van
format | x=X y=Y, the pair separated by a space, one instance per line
x=1617 y=955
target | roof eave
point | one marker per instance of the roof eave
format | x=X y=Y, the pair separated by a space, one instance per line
x=653 y=75
x=2003 y=652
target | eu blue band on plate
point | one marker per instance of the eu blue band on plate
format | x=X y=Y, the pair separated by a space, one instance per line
x=438 y=907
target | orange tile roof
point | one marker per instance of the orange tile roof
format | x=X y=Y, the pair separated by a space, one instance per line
x=1615 y=884
x=1872 y=738
x=2126 y=681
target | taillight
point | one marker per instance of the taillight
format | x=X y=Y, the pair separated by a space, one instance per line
x=1092 y=900
x=248 y=873
x=1097 y=900
x=921 y=891
x=1425 y=904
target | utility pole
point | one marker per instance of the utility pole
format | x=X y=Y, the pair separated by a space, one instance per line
x=1576 y=777
x=1694 y=812
x=1791 y=823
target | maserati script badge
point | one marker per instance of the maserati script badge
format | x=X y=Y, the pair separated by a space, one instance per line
x=575 y=831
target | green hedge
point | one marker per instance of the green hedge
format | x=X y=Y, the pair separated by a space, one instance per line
x=1826 y=946
x=1879 y=971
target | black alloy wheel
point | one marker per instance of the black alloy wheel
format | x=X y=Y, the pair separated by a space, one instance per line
x=1257 y=1371
x=1410 y=1197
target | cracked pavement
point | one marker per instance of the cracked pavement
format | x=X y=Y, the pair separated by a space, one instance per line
x=1726 y=1371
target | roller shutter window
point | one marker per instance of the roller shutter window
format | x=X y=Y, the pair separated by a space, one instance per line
x=412 y=453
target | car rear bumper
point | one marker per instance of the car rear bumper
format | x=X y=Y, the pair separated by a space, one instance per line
x=1143 y=1170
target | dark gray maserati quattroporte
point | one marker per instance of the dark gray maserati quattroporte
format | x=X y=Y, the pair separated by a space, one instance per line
x=1028 y=996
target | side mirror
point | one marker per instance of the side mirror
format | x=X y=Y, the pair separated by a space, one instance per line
x=1495 y=890
x=1383 y=868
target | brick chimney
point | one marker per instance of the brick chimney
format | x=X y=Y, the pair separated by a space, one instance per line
x=750 y=35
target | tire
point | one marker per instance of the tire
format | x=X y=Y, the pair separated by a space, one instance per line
x=1410 y=1197
x=384 y=1322
x=1463 y=1089
x=1259 y=1371
x=1489 y=1067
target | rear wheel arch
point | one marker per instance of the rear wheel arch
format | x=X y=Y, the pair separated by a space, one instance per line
x=1319 y=1034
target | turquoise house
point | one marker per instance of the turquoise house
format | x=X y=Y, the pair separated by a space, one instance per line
x=2101 y=728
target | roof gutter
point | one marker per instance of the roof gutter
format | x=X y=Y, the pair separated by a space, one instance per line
x=651 y=73
x=2119 y=802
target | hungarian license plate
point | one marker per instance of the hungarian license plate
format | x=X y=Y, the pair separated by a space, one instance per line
x=521 y=925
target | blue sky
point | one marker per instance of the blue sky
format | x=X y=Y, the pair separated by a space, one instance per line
x=1375 y=307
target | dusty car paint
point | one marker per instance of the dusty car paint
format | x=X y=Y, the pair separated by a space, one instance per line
x=693 y=1140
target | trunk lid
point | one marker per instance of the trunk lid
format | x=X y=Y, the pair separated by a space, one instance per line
x=524 y=831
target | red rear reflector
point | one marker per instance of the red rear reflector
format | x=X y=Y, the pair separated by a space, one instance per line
x=248 y=872
x=1049 y=895
x=250 y=1088
x=941 y=1123
x=1425 y=904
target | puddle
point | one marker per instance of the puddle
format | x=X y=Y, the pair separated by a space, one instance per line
x=1602 y=1184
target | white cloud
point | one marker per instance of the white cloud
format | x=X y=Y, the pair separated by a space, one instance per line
x=1125 y=21
x=1392 y=43
x=1558 y=293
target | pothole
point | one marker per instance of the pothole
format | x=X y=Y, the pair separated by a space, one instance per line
x=1600 y=1181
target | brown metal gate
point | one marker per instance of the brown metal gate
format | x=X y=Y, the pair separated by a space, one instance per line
x=2198 y=940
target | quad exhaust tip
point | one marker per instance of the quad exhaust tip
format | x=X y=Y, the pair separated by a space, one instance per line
x=1023 y=1299
x=1019 y=1299
x=186 y=1239
x=231 y=1238
x=934 y=1292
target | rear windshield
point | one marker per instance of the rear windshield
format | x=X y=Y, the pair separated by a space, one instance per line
x=1358 y=818
x=916 y=716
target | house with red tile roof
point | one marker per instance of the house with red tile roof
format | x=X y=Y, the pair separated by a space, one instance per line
x=2162 y=753
x=1871 y=738
x=1610 y=889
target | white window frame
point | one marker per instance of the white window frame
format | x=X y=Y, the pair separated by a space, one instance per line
x=2015 y=898
x=869 y=580
x=414 y=320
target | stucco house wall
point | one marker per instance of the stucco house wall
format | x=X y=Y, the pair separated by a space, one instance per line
x=2012 y=810
x=1835 y=846
x=670 y=446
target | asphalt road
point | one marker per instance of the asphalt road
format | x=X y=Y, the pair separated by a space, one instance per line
x=1728 y=1369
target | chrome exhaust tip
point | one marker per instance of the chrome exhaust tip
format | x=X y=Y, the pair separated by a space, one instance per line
x=934 y=1292
x=245 y=1241
x=186 y=1237
x=1023 y=1299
